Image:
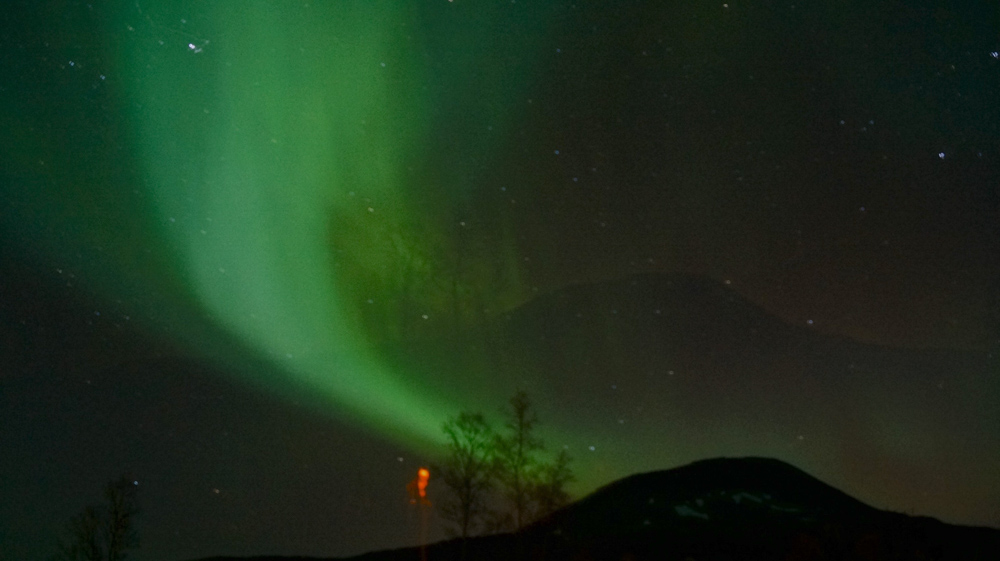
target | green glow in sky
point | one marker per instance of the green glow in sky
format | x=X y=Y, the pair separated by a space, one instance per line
x=311 y=182
x=260 y=123
x=369 y=210
x=291 y=190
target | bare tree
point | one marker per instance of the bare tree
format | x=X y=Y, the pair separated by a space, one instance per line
x=104 y=534
x=480 y=462
x=84 y=538
x=550 y=490
x=516 y=462
x=468 y=471
x=119 y=530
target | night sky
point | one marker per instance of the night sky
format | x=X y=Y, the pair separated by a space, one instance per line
x=254 y=253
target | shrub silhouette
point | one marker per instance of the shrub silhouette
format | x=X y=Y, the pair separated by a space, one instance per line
x=105 y=533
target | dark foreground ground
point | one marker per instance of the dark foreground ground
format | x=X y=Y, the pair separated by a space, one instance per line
x=721 y=509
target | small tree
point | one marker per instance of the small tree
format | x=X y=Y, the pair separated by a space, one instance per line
x=119 y=530
x=479 y=461
x=104 y=534
x=84 y=538
x=467 y=471
x=550 y=491
x=516 y=463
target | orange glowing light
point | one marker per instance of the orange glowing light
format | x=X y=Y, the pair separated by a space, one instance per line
x=422 y=476
x=418 y=487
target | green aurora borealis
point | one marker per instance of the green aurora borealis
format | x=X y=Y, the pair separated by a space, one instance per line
x=298 y=110
x=274 y=143
x=687 y=229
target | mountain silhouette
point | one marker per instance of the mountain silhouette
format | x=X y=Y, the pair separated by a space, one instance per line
x=716 y=491
x=685 y=311
x=689 y=360
x=726 y=508
x=693 y=348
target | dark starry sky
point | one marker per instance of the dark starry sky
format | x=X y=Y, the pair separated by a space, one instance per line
x=810 y=192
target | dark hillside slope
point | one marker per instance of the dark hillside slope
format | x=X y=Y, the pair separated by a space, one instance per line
x=732 y=509
x=747 y=508
x=716 y=491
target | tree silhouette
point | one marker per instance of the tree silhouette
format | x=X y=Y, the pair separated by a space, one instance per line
x=517 y=466
x=467 y=471
x=483 y=468
x=85 y=538
x=119 y=531
x=550 y=492
x=104 y=533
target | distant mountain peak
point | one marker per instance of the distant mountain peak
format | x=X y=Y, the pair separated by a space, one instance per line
x=691 y=313
x=667 y=295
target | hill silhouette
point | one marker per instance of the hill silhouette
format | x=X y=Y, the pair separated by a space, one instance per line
x=686 y=354
x=726 y=508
